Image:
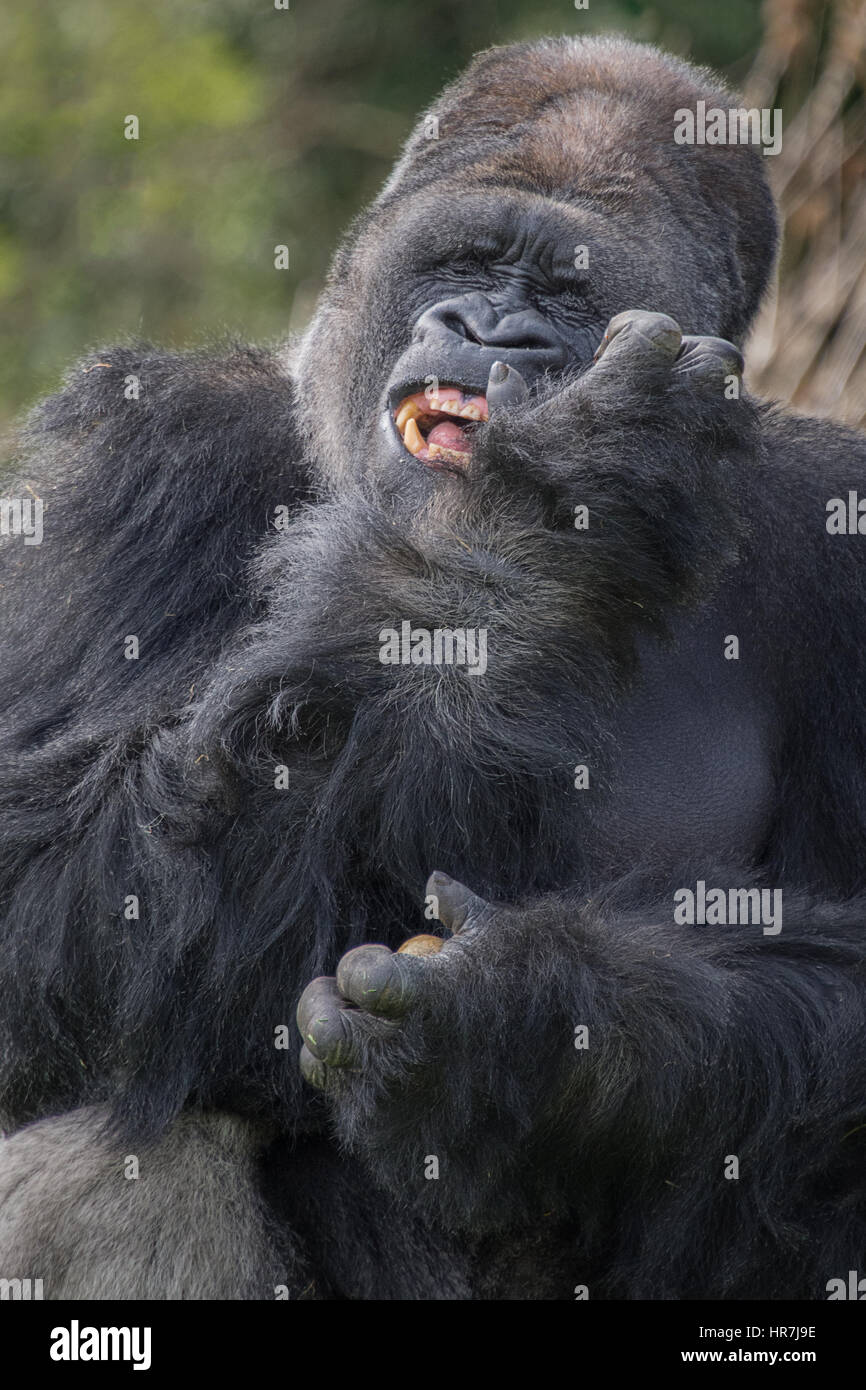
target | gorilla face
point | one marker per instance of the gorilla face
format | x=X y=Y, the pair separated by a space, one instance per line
x=509 y=297
x=542 y=195
x=429 y=301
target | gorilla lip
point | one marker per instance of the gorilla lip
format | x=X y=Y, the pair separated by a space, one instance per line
x=433 y=425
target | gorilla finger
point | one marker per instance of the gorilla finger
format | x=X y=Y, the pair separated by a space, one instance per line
x=708 y=361
x=316 y=1072
x=640 y=336
x=381 y=981
x=324 y=1022
x=505 y=386
x=456 y=906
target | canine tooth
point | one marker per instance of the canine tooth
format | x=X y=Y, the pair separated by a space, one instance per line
x=408 y=411
x=413 y=438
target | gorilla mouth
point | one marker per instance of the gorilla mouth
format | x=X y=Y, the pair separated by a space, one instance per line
x=435 y=426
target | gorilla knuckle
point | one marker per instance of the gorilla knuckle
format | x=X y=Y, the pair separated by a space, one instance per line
x=709 y=355
x=637 y=334
x=314 y=1070
x=378 y=980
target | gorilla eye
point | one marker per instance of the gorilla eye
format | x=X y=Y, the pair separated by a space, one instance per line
x=469 y=262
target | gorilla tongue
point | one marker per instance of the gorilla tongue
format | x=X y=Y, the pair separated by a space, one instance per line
x=449 y=436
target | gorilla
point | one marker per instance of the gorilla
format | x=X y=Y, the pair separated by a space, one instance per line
x=491 y=611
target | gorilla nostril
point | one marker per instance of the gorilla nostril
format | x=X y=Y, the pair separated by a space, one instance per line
x=462 y=329
x=475 y=319
x=531 y=342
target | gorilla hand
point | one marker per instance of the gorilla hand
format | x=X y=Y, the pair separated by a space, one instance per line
x=646 y=344
x=643 y=343
x=642 y=361
x=634 y=454
x=410 y=1049
x=342 y=1020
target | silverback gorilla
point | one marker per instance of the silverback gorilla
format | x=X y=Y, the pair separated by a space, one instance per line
x=492 y=599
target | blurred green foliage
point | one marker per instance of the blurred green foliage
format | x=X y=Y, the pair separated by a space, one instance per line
x=258 y=126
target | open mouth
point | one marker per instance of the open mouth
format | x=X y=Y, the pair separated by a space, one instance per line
x=436 y=426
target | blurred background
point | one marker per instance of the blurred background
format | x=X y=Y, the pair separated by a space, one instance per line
x=262 y=126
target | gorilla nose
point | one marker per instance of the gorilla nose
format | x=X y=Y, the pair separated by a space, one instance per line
x=474 y=326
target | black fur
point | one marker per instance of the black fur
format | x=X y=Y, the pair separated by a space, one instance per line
x=156 y=777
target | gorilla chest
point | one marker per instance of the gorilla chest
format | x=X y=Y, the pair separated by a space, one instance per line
x=691 y=775
x=683 y=775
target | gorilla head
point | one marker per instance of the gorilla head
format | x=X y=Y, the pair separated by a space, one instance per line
x=541 y=194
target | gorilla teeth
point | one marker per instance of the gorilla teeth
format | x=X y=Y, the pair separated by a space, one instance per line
x=408 y=411
x=436 y=451
x=467 y=410
x=412 y=436
x=420 y=410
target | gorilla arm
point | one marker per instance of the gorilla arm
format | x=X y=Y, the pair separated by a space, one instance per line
x=158 y=473
x=554 y=1054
